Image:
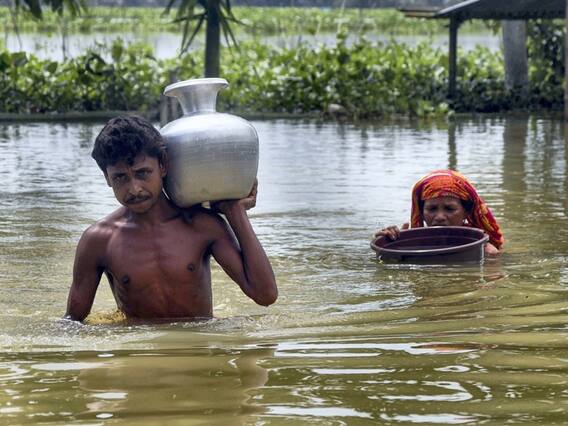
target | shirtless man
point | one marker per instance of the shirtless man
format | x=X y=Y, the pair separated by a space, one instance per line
x=155 y=255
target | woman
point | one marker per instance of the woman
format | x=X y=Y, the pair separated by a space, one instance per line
x=446 y=198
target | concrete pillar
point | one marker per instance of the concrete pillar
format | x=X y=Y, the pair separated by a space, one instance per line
x=516 y=57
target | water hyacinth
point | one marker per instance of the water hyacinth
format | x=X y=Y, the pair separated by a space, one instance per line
x=364 y=79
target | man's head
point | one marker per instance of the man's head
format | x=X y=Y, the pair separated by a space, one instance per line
x=132 y=155
x=123 y=138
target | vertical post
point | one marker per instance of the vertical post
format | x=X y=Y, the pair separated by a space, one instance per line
x=452 y=57
x=516 y=57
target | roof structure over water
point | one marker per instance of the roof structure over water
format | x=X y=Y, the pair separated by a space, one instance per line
x=487 y=9
x=494 y=9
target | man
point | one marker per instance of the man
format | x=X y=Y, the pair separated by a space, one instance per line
x=155 y=255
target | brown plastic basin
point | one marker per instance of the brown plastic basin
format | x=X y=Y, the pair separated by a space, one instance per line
x=435 y=244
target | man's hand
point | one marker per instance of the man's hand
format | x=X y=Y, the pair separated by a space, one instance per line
x=391 y=232
x=247 y=203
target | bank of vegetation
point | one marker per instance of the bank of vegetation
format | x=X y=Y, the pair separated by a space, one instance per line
x=254 y=20
x=366 y=79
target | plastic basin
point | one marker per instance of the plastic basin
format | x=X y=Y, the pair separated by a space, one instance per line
x=435 y=244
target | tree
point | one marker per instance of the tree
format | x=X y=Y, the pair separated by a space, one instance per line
x=217 y=16
x=35 y=7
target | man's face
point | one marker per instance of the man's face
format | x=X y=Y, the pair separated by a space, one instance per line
x=137 y=187
x=444 y=211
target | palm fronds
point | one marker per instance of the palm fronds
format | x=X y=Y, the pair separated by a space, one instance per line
x=193 y=13
x=35 y=7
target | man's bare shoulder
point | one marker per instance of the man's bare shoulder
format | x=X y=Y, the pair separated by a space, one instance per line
x=104 y=228
x=206 y=220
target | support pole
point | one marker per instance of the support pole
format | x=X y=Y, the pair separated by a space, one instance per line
x=452 y=56
x=516 y=57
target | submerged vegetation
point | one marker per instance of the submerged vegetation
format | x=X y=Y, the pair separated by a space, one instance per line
x=366 y=79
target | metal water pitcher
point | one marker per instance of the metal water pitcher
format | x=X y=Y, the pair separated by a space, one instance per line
x=212 y=156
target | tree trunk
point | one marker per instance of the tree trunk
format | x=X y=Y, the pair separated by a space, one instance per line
x=212 y=40
x=516 y=58
x=63 y=24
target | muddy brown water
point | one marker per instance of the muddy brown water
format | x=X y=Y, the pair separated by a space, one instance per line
x=350 y=340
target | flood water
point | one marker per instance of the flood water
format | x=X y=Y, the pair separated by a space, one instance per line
x=350 y=340
x=166 y=45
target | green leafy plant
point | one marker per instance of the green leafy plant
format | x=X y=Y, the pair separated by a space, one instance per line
x=217 y=15
x=363 y=80
x=35 y=7
x=547 y=66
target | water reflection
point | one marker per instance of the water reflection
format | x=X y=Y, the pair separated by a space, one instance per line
x=166 y=45
x=162 y=386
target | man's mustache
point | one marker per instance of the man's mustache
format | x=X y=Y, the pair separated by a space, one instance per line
x=137 y=199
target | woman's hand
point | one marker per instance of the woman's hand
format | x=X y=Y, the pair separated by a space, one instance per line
x=391 y=232
x=491 y=250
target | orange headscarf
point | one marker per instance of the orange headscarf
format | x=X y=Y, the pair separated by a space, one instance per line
x=448 y=183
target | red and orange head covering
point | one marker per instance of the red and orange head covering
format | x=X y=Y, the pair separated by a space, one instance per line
x=448 y=183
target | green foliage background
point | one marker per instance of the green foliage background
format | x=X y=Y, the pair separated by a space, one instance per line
x=367 y=79
x=547 y=66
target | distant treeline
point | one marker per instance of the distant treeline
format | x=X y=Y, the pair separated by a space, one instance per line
x=282 y=3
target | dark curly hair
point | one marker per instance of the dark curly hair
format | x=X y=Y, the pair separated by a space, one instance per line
x=125 y=137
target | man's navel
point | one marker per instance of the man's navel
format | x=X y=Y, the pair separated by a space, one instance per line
x=125 y=279
x=191 y=267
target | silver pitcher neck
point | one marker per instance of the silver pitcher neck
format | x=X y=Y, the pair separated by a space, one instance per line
x=197 y=95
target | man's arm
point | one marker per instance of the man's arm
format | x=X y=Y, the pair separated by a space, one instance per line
x=244 y=261
x=87 y=273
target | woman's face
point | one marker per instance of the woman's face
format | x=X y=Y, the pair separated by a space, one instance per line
x=444 y=211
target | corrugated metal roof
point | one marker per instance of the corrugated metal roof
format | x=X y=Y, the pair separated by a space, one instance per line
x=497 y=9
